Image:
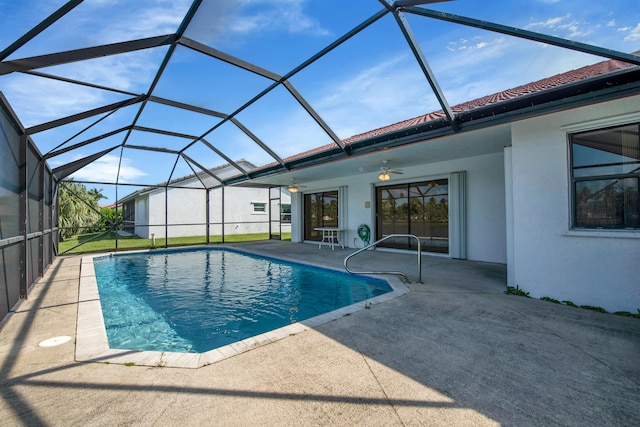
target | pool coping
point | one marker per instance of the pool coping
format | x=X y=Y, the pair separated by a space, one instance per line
x=91 y=336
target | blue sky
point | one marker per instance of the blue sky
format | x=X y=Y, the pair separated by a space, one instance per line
x=370 y=81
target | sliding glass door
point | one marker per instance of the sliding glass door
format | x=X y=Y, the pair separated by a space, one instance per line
x=320 y=210
x=420 y=208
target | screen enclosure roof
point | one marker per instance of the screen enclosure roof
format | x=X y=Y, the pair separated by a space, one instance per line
x=146 y=92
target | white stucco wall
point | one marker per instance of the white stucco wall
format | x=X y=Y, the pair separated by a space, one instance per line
x=239 y=215
x=187 y=212
x=141 y=215
x=188 y=209
x=185 y=207
x=484 y=202
x=549 y=259
x=156 y=214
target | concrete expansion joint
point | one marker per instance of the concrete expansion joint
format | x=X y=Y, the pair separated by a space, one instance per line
x=384 y=392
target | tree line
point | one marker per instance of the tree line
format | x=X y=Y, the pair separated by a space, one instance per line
x=81 y=213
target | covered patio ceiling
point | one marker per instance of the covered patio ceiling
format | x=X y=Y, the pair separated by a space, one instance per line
x=150 y=92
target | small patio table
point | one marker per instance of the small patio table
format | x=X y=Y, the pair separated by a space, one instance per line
x=330 y=236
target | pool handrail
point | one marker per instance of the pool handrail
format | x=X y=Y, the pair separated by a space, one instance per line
x=372 y=245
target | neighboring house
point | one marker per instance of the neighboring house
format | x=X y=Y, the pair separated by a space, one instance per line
x=243 y=210
x=549 y=188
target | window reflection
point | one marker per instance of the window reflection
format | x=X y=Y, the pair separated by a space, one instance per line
x=606 y=173
x=320 y=210
x=420 y=208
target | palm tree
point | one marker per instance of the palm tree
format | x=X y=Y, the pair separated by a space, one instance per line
x=96 y=195
x=78 y=207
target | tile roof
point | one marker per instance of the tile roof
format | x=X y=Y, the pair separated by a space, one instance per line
x=547 y=83
x=572 y=76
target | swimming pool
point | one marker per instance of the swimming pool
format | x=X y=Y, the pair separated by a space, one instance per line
x=92 y=344
x=195 y=300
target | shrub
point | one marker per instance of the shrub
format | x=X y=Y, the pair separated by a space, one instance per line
x=516 y=291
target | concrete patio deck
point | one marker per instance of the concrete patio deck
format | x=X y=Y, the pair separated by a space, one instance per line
x=454 y=351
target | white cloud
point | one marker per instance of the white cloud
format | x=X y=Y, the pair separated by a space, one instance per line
x=105 y=169
x=474 y=54
x=38 y=100
x=232 y=19
x=468 y=45
x=283 y=137
x=634 y=34
x=376 y=96
x=126 y=72
x=564 y=26
x=549 y=23
x=125 y=20
x=285 y=15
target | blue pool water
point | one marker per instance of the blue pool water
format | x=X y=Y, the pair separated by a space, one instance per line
x=196 y=300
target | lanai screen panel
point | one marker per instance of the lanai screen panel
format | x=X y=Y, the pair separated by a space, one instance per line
x=158 y=91
x=11 y=187
x=25 y=211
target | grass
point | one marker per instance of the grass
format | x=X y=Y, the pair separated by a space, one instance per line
x=107 y=242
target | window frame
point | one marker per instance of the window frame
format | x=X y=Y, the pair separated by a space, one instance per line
x=285 y=213
x=256 y=211
x=308 y=229
x=574 y=181
x=408 y=244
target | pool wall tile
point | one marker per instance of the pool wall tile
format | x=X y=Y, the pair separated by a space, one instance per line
x=211 y=356
x=228 y=350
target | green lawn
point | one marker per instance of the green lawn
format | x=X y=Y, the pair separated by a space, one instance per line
x=107 y=242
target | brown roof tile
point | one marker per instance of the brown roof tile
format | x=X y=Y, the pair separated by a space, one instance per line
x=546 y=83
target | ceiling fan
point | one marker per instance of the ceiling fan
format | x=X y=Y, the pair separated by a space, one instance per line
x=293 y=187
x=385 y=170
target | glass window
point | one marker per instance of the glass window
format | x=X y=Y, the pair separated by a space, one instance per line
x=605 y=178
x=129 y=216
x=259 y=207
x=285 y=213
x=320 y=210
x=420 y=208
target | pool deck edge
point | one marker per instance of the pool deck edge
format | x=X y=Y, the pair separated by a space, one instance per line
x=92 y=344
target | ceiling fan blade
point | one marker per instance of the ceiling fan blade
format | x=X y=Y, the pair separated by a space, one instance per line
x=295 y=185
x=395 y=171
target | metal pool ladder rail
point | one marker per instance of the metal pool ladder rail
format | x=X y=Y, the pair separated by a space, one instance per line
x=390 y=236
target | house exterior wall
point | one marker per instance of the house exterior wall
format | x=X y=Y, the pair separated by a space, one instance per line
x=187 y=215
x=141 y=216
x=485 y=206
x=591 y=267
x=156 y=214
x=239 y=214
